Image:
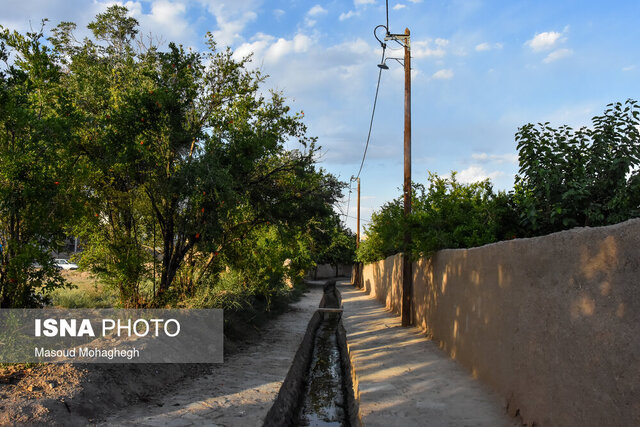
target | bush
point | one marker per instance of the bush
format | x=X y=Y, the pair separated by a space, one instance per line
x=447 y=214
x=588 y=177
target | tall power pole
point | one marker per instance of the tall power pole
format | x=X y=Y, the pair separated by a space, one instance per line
x=407 y=279
x=358 y=220
x=407 y=288
x=358 y=270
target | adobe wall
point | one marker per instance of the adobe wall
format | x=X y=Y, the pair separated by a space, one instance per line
x=552 y=323
x=325 y=271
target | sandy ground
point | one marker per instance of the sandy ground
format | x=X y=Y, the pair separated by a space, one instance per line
x=238 y=392
x=74 y=394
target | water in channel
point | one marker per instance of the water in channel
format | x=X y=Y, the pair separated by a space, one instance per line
x=324 y=402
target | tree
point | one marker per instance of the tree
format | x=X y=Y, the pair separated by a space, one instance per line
x=36 y=180
x=446 y=214
x=185 y=141
x=587 y=177
x=335 y=244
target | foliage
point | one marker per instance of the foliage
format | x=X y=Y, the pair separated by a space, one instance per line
x=36 y=186
x=334 y=244
x=567 y=178
x=588 y=177
x=184 y=143
x=245 y=308
x=447 y=214
x=170 y=162
x=384 y=234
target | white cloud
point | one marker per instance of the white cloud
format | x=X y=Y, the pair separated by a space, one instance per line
x=231 y=18
x=544 y=41
x=415 y=1
x=557 y=54
x=442 y=42
x=475 y=173
x=348 y=15
x=278 y=13
x=259 y=44
x=399 y=6
x=629 y=68
x=497 y=158
x=300 y=43
x=361 y=2
x=317 y=10
x=425 y=49
x=269 y=50
x=483 y=47
x=444 y=74
x=166 y=21
x=170 y=16
x=314 y=12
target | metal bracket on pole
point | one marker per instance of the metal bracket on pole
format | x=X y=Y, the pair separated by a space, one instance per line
x=403 y=38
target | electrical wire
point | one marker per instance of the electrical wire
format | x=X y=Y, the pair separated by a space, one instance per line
x=375 y=101
x=387 y=4
x=361 y=220
x=346 y=214
x=373 y=113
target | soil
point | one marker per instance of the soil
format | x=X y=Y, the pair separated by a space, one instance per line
x=232 y=393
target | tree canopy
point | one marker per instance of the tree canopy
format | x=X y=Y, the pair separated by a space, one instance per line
x=171 y=157
x=567 y=178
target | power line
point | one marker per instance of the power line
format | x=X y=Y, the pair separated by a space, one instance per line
x=375 y=102
x=373 y=113
x=353 y=217
x=387 y=4
x=346 y=214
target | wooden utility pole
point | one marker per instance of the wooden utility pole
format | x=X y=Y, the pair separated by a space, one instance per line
x=358 y=278
x=358 y=219
x=407 y=288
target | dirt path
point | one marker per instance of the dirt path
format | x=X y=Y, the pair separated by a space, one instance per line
x=404 y=379
x=238 y=392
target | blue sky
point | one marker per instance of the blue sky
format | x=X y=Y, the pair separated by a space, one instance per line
x=481 y=69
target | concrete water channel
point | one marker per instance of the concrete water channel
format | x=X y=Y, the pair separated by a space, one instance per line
x=318 y=389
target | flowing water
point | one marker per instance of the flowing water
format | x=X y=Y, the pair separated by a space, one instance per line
x=324 y=402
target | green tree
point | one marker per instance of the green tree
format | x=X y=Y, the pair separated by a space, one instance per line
x=450 y=214
x=446 y=214
x=335 y=244
x=184 y=141
x=587 y=177
x=36 y=179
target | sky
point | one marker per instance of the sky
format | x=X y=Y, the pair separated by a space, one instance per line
x=480 y=70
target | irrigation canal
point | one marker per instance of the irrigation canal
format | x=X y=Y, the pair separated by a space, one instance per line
x=318 y=389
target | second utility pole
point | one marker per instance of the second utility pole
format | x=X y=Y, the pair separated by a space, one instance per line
x=407 y=288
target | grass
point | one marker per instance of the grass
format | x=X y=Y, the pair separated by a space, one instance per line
x=88 y=293
x=245 y=308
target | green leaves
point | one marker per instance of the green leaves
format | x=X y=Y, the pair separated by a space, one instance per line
x=446 y=214
x=37 y=190
x=184 y=143
x=586 y=177
x=169 y=165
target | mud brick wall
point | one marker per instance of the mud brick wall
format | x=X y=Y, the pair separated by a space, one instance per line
x=552 y=323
